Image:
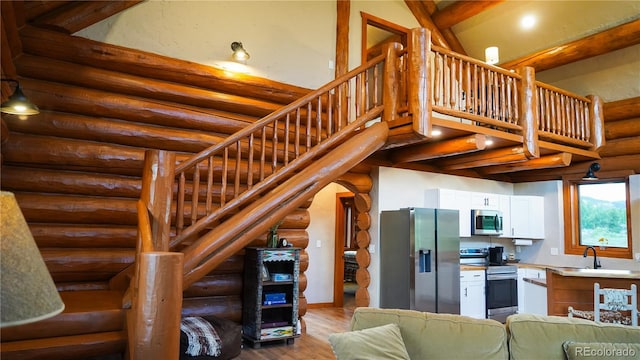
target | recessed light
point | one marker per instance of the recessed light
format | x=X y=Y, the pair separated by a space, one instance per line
x=528 y=22
x=436 y=132
x=488 y=141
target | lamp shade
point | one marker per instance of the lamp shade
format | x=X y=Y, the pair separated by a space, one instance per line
x=492 y=55
x=18 y=104
x=27 y=291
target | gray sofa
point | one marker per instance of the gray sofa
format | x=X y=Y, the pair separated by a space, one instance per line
x=445 y=336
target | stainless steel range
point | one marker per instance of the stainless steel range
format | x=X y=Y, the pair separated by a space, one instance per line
x=501 y=291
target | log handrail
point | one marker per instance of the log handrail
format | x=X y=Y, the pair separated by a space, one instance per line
x=564 y=117
x=468 y=88
x=281 y=142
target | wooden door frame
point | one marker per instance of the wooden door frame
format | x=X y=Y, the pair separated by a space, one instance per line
x=338 y=267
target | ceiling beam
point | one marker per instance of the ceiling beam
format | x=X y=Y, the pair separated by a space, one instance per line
x=428 y=151
x=544 y=162
x=77 y=15
x=460 y=11
x=609 y=40
x=421 y=12
x=485 y=158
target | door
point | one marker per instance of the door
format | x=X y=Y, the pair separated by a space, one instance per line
x=345 y=239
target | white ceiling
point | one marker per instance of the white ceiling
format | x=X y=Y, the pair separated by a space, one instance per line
x=612 y=76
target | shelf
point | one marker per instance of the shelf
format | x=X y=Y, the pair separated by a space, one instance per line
x=276 y=306
x=269 y=282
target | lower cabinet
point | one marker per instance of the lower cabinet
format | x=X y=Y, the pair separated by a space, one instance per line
x=270 y=295
x=532 y=298
x=472 y=295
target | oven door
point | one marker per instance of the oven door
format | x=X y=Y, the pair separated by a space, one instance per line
x=502 y=291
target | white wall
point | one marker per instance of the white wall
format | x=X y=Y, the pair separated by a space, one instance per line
x=322 y=231
x=289 y=41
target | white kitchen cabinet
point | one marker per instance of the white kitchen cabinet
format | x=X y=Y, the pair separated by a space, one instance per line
x=472 y=296
x=485 y=201
x=455 y=200
x=532 y=298
x=526 y=217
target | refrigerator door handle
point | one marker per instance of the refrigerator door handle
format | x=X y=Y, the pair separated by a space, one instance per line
x=425 y=260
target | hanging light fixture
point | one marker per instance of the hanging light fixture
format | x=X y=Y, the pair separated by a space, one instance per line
x=239 y=52
x=492 y=55
x=18 y=104
x=591 y=173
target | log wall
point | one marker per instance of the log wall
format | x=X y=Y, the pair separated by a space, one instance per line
x=76 y=167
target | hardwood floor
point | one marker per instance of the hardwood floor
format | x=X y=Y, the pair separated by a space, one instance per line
x=314 y=344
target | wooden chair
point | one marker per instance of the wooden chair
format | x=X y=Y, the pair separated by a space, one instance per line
x=608 y=304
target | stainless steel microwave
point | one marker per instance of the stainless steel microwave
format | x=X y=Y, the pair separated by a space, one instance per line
x=486 y=222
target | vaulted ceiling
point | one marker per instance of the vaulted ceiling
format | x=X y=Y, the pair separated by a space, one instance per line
x=587 y=47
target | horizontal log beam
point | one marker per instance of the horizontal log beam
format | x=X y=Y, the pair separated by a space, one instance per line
x=486 y=158
x=49 y=235
x=543 y=162
x=618 y=147
x=616 y=38
x=78 y=15
x=87 y=260
x=620 y=129
x=117 y=82
x=459 y=11
x=457 y=146
x=78 y=50
x=96 y=103
x=28 y=179
x=622 y=109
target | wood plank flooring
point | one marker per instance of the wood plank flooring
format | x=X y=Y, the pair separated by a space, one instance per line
x=314 y=344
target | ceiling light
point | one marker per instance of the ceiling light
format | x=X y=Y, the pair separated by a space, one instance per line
x=488 y=141
x=528 y=22
x=491 y=55
x=18 y=104
x=591 y=173
x=239 y=53
x=436 y=132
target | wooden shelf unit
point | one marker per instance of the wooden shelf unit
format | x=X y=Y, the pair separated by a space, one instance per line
x=262 y=321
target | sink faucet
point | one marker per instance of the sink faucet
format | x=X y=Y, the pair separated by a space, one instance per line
x=596 y=263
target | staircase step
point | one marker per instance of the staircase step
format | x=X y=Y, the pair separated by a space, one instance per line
x=84 y=346
x=86 y=312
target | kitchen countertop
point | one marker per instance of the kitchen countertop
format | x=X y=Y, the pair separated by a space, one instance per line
x=536 y=281
x=600 y=273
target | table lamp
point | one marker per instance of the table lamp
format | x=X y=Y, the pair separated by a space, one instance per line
x=27 y=291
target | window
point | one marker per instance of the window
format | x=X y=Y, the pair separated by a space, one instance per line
x=596 y=213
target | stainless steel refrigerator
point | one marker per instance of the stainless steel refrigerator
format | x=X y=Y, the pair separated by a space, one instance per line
x=420 y=260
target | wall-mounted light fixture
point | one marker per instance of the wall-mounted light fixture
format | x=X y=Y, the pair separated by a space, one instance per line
x=27 y=291
x=18 y=104
x=591 y=173
x=239 y=53
x=492 y=55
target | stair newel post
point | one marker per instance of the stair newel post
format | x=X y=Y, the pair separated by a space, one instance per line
x=528 y=108
x=155 y=293
x=157 y=191
x=596 y=122
x=418 y=82
x=390 y=98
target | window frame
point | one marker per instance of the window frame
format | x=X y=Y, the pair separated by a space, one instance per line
x=571 y=216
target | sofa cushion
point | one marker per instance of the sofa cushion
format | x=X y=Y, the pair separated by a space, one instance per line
x=542 y=337
x=381 y=342
x=439 y=336
x=600 y=351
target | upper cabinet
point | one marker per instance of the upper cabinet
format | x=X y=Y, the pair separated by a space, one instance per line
x=527 y=217
x=522 y=215
x=454 y=200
